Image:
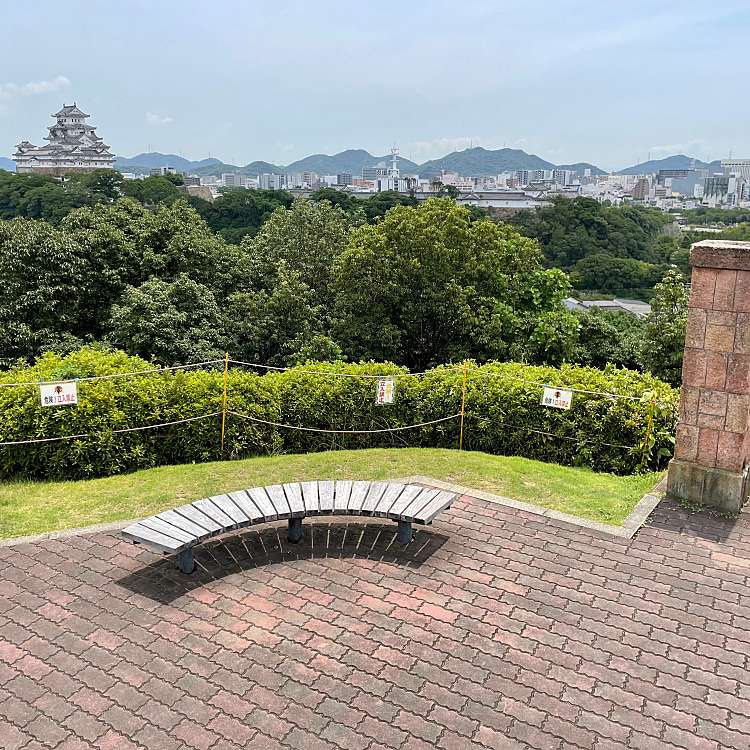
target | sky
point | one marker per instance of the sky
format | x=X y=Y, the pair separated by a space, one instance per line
x=570 y=80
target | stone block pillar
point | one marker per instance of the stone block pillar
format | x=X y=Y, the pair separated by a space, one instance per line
x=712 y=452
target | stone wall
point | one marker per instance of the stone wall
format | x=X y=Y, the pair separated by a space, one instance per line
x=712 y=450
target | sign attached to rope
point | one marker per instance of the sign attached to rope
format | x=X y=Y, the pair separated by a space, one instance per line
x=64 y=393
x=558 y=398
x=385 y=390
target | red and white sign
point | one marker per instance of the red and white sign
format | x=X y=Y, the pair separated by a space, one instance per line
x=385 y=391
x=557 y=398
x=64 y=393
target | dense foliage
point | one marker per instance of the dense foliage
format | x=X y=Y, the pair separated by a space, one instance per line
x=606 y=248
x=40 y=196
x=655 y=343
x=237 y=212
x=503 y=414
x=427 y=285
x=422 y=286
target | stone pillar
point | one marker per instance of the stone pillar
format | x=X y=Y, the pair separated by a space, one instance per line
x=712 y=451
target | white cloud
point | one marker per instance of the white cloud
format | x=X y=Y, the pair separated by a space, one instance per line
x=154 y=119
x=32 y=88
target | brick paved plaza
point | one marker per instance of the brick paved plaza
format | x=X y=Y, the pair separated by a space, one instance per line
x=494 y=629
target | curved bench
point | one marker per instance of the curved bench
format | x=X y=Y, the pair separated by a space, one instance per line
x=178 y=530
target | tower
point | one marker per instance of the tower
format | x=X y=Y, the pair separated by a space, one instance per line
x=73 y=146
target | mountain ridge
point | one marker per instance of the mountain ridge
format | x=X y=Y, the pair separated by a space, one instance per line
x=471 y=162
x=676 y=161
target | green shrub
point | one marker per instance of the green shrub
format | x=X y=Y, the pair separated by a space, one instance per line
x=503 y=414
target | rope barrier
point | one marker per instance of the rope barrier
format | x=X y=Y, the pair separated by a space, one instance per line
x=114 y=432
x=574 y=439
x=340 y=374
x=343 y=432
x=114 y=375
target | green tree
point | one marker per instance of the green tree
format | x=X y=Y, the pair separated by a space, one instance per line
x=308 y=237
x=570 y=230
x=340 y=198
x=279 y=325
x=44 y=275
x=168 y=322
x=664 y=333
x=237 y=212
x=152 y=191
x=427 y=285
x=378 y=205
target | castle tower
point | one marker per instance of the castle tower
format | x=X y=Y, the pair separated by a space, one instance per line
x=73 y=146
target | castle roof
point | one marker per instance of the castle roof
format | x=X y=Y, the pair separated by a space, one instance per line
x=70 y=110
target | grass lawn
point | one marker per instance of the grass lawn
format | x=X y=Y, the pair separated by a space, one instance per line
x=35 y=507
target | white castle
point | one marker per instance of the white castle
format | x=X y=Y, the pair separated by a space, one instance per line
x=73 y=146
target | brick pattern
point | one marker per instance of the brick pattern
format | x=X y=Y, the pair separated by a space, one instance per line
x=494 y=629
x=714 y=429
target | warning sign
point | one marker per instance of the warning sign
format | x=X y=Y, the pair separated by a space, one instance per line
x=557 y=398
x=64 y=393
x=385 y=391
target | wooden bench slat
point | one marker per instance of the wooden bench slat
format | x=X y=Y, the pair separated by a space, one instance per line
x=341 y=497
x=198 y=517
x=241 y=499
x=260 y=497
x=437 y=505
x=278 y=498
x=373 y=496
x=357 y=498
x=419 y=502
x=310 y=497
x=391 y=494
x=224 y=502
x=173 y=517
x=325 y=496
x=410 y=492
x=163 y=527
x=140 y=533
x=294 y=498
x=214 y=513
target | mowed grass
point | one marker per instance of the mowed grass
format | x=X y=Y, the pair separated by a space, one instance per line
x=36 y=507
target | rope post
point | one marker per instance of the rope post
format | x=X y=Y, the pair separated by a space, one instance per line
x=463 y=404
x=224 y=402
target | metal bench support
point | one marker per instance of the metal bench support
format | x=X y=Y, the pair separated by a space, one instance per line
x=404 y=533
x=186 y=561
x=295 y=530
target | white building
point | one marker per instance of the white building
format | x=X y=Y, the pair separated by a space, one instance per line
x=738 y=167
x=269 y=181
x=73 y=146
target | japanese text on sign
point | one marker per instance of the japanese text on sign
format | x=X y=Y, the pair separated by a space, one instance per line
x=385 y=391
x=557 y=398
x=59 y=394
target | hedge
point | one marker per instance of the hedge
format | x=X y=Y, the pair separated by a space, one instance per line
x=503 y=414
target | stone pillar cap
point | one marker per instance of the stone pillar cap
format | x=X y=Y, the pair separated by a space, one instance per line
x=727 y=254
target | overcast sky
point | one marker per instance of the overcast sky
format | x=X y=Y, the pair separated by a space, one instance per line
x=569 y=80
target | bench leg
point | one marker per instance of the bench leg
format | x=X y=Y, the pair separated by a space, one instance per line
x=404 y=533
x=295 y=530
x=186 y=561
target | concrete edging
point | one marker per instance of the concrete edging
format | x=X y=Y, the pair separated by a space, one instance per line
x=630 y=526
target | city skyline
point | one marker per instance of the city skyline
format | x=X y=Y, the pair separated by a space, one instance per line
x=243 y=82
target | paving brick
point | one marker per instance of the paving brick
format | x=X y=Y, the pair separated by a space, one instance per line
x=546 y=636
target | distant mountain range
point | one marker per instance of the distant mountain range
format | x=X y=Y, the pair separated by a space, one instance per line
x=679 y=161
x=471 y=162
